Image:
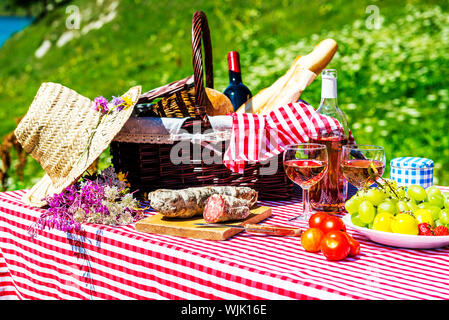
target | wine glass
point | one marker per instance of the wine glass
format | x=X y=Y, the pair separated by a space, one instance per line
x=305 y=164
x=362 y=164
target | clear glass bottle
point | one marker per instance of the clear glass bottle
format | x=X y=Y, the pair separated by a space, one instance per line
x=330 y=193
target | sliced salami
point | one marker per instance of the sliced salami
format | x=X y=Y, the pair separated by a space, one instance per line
x=186 y=203
x=220 y=208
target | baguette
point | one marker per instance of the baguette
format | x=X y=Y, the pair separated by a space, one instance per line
x=291 y=91
x=260 y=99
x=320 y=56
x=289 y=87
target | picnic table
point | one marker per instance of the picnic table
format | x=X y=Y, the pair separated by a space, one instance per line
x=104 y=262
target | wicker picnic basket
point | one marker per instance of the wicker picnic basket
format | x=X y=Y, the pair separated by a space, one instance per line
x=147 y=158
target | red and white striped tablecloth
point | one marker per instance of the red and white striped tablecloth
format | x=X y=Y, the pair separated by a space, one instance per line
x=122 y=263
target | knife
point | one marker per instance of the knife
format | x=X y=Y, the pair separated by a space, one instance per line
x=258 y=228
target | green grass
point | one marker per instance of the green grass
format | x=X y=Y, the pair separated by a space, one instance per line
x=392 y=81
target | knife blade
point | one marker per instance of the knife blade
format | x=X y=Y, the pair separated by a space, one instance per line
x=258 y=228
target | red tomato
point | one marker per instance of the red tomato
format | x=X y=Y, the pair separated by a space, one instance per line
x=311 y=239
x=317 y=218
x=332 y=223
x=335 y=245
x=354 y=245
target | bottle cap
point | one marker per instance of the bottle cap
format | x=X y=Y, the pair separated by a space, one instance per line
x=234 y=61
x=329 y=84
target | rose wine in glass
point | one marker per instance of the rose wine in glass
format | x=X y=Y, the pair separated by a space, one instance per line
x=305 y=172
x=305 y=164
x=362 y=165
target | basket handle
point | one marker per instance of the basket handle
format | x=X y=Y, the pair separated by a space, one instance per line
x=200 y=30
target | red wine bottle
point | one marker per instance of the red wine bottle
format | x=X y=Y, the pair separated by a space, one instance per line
x=236 y=91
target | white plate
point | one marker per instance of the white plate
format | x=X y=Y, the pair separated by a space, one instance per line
x=399 y=240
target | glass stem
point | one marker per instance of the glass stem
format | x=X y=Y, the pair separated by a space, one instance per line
x=306 y=203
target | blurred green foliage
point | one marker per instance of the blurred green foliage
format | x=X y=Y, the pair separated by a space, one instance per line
x=393 y=84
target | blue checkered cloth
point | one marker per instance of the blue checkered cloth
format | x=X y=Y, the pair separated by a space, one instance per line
x=412 y=170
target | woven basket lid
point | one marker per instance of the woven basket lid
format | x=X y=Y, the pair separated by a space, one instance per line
x=56 y=132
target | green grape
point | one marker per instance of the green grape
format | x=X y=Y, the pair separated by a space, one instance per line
x=412 y=205
x=391 y=184
x=424 y=205
x=393 y=200
x=446 y=203
x=352 y=205
x=424 y=216
x=384 y=191
x=444 y=216
x=386 y=188
x=404 y=223
x=367 y=211
x=402 y=206
x=355 y=219
x=433 y=191
x=382 y=221
x=397 y=192
x=445 y=195
x=387 y=206
x=436 y=200
x=361 y=194
x=400 y=192
x=433 y=209
x=438 y=223
x=416 y=192
x=375 y=196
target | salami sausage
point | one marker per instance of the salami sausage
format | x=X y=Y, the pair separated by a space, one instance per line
x=186 y=203
x=221 y=208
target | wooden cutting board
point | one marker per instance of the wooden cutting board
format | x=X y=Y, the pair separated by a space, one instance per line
x=159 y=224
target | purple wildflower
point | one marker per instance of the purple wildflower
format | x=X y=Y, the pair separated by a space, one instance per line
x=118 y=102
x=101 y=104
x=83 y=200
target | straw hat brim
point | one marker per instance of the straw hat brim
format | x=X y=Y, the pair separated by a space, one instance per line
x=64 y=133
x=35 y=197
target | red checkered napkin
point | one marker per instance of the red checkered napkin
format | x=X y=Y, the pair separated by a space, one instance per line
x=257 y=138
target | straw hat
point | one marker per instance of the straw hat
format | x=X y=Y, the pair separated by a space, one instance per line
x=65 y=134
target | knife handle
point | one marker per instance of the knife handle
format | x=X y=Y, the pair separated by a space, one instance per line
x=273 y=230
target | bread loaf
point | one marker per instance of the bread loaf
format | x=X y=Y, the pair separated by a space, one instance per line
x=291 y=91
x=289 y=87
x=320 y=56
x=260 y=99
x=221 y=105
